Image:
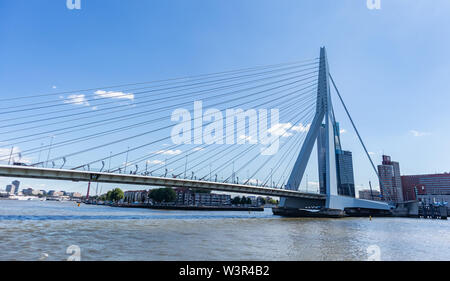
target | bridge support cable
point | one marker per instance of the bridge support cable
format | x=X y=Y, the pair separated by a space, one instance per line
x=288 y=167
x=88 y=137
x=310 y=117
x=206 y=145
x=155 y=81
x=95 y=124
x=174 y=147
x=57 y=103
x=359 y=136
x=195 y=151
x=163 y=100
x=152 y=92
x=247 y=150
x=292 y=146
x=146 y=133
x=290 y=150
x=254 y=158
x=234 y=99
x=185 y=103
x=166 y=138
x=109 y=120
x=225 y=152
x=199 y=157
x=354 y=126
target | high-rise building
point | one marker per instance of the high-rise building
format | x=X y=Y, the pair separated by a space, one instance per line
x=346 y=181
x=390 y=180
x=10 y=189
x=13 y=188
x=344 y=164
x=16 y=184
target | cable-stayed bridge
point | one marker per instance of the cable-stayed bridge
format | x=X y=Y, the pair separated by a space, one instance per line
x=90 y=135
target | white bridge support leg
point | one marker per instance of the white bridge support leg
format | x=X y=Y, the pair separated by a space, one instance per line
x=334 y=204
x=323 y=111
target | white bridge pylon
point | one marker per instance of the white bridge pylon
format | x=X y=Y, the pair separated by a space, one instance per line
x=324 y=115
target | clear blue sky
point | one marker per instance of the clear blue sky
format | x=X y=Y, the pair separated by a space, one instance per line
x=391 y=65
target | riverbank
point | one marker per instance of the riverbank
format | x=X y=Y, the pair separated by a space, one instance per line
x=186 y=208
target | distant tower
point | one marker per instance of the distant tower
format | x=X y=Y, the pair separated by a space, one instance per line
x=10 y=189
x=16 y=184
x=390 y=180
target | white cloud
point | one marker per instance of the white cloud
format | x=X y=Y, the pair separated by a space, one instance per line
x=419 y=134
x=280 y=129
x=168 y=152
x=343 y=131
x=156 y=162
x=253 y=181
x=114 y=95
x=54 y=87
x=372 y=153
x=15 y=156
x=77 y=100
x=301 y=128
x=198 y=149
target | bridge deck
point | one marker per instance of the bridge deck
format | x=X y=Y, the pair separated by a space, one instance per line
x=75 y=175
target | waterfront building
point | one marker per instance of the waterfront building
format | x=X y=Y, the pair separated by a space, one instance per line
x=75 y=195
x=188 y=198
x=370 y=194
x=16 y=184
x=13 y=188
x=390 y=180
x=27 y=191
x=427 y=188
x=10 y=189
x=31 y=192
x=54 y=193
x=132 y=196
x=344 y=164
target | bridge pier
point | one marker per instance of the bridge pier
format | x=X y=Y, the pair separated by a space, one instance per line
x=343 y=206
x=308 y=213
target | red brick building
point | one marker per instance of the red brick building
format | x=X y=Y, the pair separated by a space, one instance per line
x=415 y=186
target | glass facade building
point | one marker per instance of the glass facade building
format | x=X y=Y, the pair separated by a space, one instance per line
x=344 y=164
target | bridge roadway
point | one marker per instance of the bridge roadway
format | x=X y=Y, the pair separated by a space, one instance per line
x=86 y=176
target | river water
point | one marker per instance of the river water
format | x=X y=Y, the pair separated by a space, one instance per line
x=34 y=230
